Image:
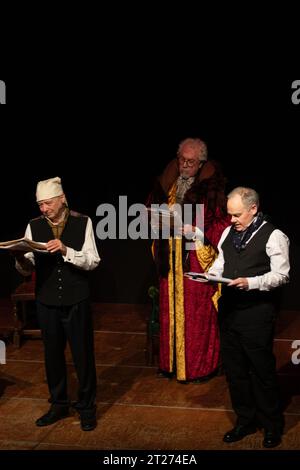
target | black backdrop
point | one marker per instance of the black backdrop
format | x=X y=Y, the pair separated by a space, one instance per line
x=112 y=136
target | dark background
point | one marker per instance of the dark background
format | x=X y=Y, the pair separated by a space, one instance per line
x=109 y=134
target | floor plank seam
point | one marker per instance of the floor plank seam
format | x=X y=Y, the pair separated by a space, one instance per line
x=98 y=364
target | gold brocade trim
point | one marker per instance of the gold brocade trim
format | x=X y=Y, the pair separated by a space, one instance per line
x=206 y=255
x=171 y=201
x=176 y=300
x=171 y=304
x=217 y=295
x=179 y=313
x=172 y=194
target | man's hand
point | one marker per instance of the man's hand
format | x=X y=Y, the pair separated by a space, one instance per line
x=241 y=283
x=53 y=246
x=187 y=229
x=24 y=263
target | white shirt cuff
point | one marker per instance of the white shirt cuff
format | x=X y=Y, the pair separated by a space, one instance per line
x=252 y=283
x=70 y=255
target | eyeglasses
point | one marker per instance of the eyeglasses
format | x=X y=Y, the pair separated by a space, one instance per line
x=184 y=161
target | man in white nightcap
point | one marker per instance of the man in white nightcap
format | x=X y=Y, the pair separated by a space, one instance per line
x=48 y=189
x=62 y=298
x=52 y=202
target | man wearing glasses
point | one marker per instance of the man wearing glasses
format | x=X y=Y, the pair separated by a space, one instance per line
x=189 y=337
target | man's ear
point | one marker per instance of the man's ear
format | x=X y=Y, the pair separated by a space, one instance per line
x=254 y=209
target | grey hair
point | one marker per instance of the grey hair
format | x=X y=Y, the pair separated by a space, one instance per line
x=248 y=195
x=195 y=144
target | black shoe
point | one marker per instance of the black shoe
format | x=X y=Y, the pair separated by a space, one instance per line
x=165 y=375
x=53 y=415
x=239 y=432
x=271 y=439
x=88 y=423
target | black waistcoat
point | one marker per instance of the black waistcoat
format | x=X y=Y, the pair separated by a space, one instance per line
x=59 y=282
x=250 y=262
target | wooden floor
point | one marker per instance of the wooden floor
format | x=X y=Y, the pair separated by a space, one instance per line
x=136 y=409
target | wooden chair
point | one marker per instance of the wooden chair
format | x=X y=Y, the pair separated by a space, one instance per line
x=21 y=297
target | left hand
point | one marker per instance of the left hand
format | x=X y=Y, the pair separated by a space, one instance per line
x=240 y=283
x=56 y=245
x=185 y=229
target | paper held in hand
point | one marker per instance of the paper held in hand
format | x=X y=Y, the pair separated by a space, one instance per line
x=23 y=244
x=205 y=277
x=164 y=218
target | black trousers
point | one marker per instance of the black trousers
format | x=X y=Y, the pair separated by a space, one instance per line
x=73 y=324
x=247 y=350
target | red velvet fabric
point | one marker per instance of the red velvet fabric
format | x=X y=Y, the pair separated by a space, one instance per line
x=200 y=316
x=201 y=332
x=201 y=326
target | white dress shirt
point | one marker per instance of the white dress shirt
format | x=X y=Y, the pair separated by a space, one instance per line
x=86 y=259
x=277 y=248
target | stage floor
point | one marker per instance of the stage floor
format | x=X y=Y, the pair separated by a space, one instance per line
x=136 y=409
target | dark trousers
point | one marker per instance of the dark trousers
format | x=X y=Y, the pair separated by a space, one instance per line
x=246 y=347
x=73 y=324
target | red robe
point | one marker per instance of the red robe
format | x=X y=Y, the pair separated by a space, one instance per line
x=189 y=334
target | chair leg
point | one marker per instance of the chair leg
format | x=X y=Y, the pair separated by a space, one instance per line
x=16 y=339
x=16 y=335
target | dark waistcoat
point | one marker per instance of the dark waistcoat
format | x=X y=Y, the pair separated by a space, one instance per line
x=250 y=262
x=58 y=282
